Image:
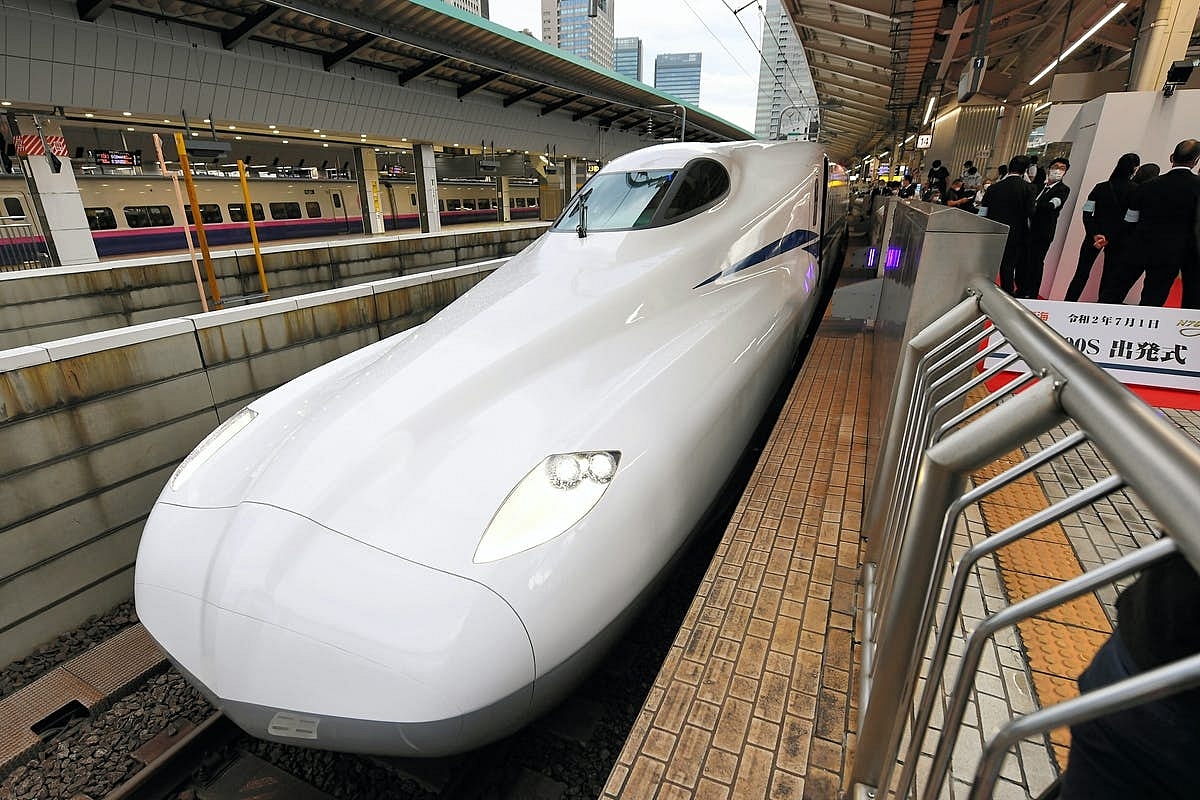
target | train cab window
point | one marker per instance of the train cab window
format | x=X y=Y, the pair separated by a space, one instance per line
x=101 y=219
x=468 y=204
x=148 y=216
x=237 y=212
x=453 y=205
x=702 y=183
x=14 y=208
x=210 y=214
x=313 y=209
x=520 y=202
x=617 y=201
x=285 y=210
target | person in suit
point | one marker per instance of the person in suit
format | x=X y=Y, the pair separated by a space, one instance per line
x=1166 y=217
x=1103 y=216
x=908 y=189
x=1046 y=207
x=1010 y=201
x=1123 y=263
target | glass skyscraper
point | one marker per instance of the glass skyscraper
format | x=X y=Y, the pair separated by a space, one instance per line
x=785 y=87
x=678 y=74
x=628 y=57
x=566 y=24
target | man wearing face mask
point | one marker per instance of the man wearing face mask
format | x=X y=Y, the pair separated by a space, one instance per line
x=1048 y=203
x=1010 y=201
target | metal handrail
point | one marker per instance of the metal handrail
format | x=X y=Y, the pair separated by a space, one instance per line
x=940 y=444
x=21 y=246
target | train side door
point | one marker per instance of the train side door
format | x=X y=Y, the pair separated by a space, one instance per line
x=339 y=208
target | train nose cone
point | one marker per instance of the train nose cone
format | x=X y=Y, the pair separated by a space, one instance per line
x=306 y=636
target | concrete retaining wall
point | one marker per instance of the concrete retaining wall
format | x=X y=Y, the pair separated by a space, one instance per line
x=46 y=305
x=92 y=427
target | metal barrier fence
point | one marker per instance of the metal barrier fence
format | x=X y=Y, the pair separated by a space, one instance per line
x=932 y=445
x=21 y=246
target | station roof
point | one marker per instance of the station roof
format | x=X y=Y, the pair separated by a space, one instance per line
x=876 y=63
x=432 y=40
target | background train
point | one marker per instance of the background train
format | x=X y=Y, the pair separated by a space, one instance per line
x=137 y=214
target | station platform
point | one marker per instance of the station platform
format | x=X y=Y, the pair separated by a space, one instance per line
x=758 y=697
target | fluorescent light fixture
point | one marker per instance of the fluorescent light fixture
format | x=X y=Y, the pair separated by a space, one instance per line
x=884 y=153
x=910 y=138
x=1043 y=105
x=929 y=110
x=1090 y=33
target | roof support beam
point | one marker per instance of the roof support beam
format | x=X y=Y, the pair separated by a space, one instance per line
x=585 y=114
x=874 y=60
x=550 y=109
x=525 y=95
x=476 y=85
x=423 y=68
x=622 y=115
x=352 y=49
x=835 y=84
x=868 y=77
x=880 y=38
x=250 y=25
x=90 y=10
x=635 y=123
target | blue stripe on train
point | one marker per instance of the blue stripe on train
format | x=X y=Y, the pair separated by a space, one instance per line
x=797 y=238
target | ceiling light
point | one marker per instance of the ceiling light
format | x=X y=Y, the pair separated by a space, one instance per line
x=1043 y=105
x=325 y=144
x=206 y=119
x=89 y=114
x=129 y=129
x=126 y=113
x=285 y=141
x=165 y=120
x=238 y=138
x=404 y=140
x=9 y=103
x=272 y=127
x=1090 y=33
x=316 y=130
x=929 y=109
x=195 y=134
x=322 y=136
x=233 y=127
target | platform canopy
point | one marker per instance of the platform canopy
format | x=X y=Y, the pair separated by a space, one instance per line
x=877 y=63
x=430 y=40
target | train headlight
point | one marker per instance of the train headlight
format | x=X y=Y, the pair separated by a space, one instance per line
x=555 y=495
x=209 y=447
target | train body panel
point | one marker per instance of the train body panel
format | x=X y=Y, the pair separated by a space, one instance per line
x=640 y=356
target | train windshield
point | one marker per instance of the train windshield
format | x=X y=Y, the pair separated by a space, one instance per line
x=618 y=201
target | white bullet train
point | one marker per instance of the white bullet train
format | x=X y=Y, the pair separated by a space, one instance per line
x=419 y=547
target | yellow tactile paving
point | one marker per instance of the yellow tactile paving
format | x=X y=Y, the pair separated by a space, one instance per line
x=1061 y=642
x=755 y=698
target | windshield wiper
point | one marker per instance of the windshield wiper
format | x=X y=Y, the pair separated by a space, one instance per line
x=581 y=229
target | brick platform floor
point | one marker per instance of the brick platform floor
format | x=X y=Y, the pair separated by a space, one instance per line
x=755 y=697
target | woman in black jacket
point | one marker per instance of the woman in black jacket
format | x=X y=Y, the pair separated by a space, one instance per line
x=1103 y=214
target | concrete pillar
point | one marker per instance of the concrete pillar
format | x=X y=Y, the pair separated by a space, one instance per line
x=1162 y=39
x=505 y=210
x=56 y=199
x=367 y=170
x=570 y=179
x=427 y=189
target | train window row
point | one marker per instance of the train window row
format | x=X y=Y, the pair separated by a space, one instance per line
x=469 y=204
x=103 y=219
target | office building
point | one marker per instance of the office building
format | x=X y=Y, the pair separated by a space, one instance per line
x=566 y=24
x=678 y=74
x=479 y=7
x=627 y=58
x=787 y=99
